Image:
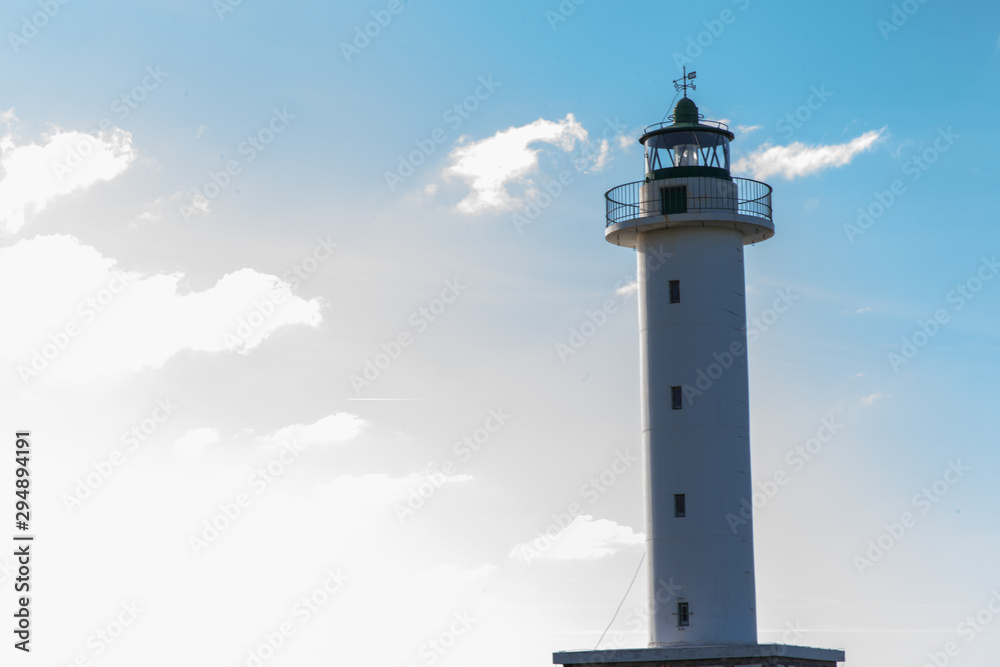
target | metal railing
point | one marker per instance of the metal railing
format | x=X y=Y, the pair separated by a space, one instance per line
x=704 y=194
x=701 y=121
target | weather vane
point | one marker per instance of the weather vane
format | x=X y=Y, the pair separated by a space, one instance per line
x=683 y=82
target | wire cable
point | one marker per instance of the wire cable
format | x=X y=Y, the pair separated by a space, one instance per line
x=671 y=107
x=622 y=602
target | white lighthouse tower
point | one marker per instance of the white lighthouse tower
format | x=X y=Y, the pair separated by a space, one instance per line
x=688 y=221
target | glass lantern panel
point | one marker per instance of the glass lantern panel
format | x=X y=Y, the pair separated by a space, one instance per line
x=687 y=149
x=686 y=156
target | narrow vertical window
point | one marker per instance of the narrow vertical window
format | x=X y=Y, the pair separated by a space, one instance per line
x=680 y=505
x=675 y=398
x=675 y=291
x=683 y=614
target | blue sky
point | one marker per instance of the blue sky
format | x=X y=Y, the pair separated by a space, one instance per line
x=202 y=254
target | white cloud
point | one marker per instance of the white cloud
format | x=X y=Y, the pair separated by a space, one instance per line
x=872 y=399
x=339 y=427
x=192 y=444
x=335 y=428
x=866 y=309
x=601 y=159
x=628 y=289
x=747 y=129
x=490 y=164
x=89 y=319
x=585 y=538
x=194 y=203
x=34 y=175
x=797 y=159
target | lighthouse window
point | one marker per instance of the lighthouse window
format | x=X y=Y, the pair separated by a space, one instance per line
x=675 y=291
x=674 y=200
x=675 y=398
x=680 y=505
x=683 y=614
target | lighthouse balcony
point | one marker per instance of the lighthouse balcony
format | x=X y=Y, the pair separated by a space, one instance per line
x=694 y=201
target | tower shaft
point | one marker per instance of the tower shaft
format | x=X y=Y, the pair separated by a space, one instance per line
x=695 y=432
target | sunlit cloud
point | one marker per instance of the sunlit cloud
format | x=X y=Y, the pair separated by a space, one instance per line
x=798 y=159
x=100 y=320
x=67 y=161
x=585 y=538
x=628 y=289
x=336 y=428
x=490 y=164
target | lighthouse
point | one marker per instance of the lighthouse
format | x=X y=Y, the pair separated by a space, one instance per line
x=688 y=221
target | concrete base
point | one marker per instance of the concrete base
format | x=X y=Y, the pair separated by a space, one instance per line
x=727 y=655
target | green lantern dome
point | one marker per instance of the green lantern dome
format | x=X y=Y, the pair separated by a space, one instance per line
x=686 y=111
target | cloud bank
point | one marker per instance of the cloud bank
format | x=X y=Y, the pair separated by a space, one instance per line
x=98 y=320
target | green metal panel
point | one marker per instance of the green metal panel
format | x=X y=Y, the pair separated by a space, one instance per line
x=688 y=172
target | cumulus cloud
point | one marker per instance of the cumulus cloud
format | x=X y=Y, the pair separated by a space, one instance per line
x=329 y=430
x=585 y=538
x=797 y=159
x=67 y=161
x=88 y=318
x=336 y=428
x=510 y=155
